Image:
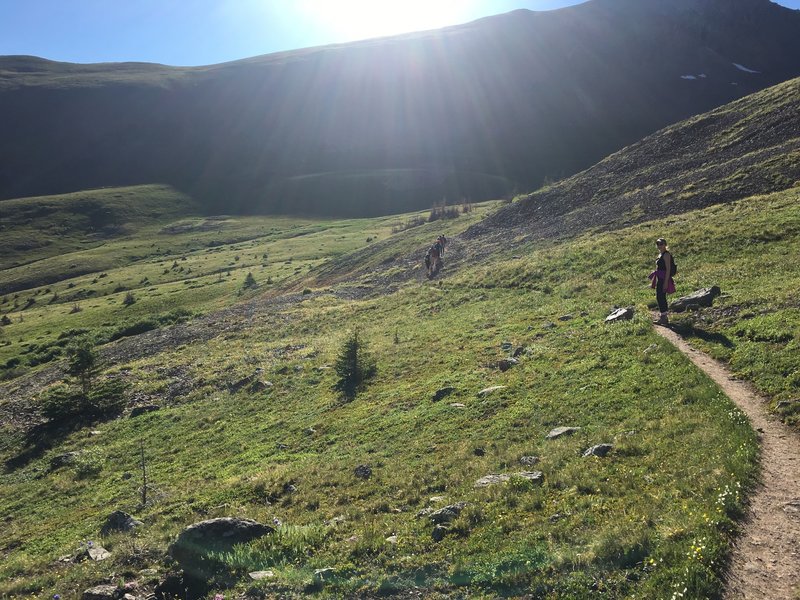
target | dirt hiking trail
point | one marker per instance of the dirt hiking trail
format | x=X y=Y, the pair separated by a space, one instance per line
x=766 y=558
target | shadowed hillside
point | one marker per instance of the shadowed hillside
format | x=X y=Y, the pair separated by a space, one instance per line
x=392 y=124
x=748 y=147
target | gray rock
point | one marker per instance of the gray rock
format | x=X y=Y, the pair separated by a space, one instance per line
x=702 y=297
x=261 y=575
x=479 y=451
x=494 y=479
x=506 y=363
x=443 y=393
x=599 y=450
x=565 y=318
x=529 y=461
x=92 y=552
x=102 y=592
x=489 y=390
x=260 y=386
x=458 y=405
x=438 y=533
x=519 y=352
x=621 y=314
x=363 y=472
x=119 y=521
x=447 y=514
x=141 y=410
x=506 y=346
x=214 y=535
x=549 y=325
x=562 y=431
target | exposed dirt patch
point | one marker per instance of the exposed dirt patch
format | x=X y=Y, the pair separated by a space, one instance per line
x=766 y=557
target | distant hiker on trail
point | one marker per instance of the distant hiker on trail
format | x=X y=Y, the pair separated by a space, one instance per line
x=442 y=241
x=661 y=279
x=433 y=260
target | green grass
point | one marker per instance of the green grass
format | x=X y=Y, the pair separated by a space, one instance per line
x=652 y=518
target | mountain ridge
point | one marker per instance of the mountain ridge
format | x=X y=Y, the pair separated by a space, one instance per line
x=471 y=111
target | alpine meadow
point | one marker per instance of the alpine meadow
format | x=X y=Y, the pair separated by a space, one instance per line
x=243 y=383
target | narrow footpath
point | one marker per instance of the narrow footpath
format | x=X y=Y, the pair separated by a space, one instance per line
x=766 y=557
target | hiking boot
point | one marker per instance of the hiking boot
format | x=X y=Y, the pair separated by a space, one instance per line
x=661 y=320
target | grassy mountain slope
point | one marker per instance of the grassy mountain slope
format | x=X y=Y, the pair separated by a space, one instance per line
x=395 y=124
x=650 y=519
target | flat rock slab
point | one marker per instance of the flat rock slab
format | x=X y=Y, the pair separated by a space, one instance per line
x=494 y=479
x=458 y=405
x=562 y=431
x=102 y=592
x=489 y=390
x=599 y=450
x=261 y=575
x=702 y=297
x=621 y=314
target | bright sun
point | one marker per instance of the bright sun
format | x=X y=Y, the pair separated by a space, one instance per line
x=359 y=19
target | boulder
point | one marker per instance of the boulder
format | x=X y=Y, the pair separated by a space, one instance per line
x=565 y=318
x=702 y=297
x=195 y=542
x=562 y=431
x=599 y=450
x=363 y=472
x=529 y=461
x=119 y=521
x=443 y=393
x=102 y=592
x=506 y=363
x=438 y=533
x=519 y=352
x=494 y=479
x=447 y=514
x=620 y=314
x=489 y=390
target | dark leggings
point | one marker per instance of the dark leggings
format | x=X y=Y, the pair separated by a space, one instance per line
x=661 y=296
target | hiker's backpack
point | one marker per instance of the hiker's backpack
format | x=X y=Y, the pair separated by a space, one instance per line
x=674 y=267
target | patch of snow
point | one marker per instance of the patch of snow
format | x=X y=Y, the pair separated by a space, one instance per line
x=688 y=77
x=745 y=69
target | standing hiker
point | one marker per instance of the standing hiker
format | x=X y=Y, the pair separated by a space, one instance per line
x=662 y=279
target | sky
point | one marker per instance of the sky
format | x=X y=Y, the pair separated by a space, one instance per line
x=201 y=32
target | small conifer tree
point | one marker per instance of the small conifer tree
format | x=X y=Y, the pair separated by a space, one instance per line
x=249 y=281
x=354 y=366
x=82 y=363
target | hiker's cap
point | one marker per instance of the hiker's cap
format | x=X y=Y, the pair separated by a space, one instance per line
x=661 y=241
